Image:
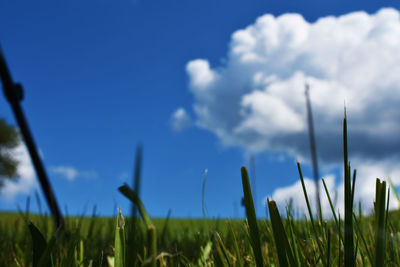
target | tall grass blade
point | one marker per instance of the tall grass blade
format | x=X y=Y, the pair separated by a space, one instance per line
x=235 y=245
x=165 y=227
x=223 y=252
x=134 y=235
x=39 y=244
x=45 y=259
x=332 y=208
x=203 y=194
x=310 y=214
x=251 y=218
x=364 y=242
x=152 y=239
x=119 y=242
x=285 y=254
x=151 y=230
x=293 y=240
x=137 y=176
x=313 y=149
x=380 y=222
x=396 y=194
x=328 y=250
x=348 y=205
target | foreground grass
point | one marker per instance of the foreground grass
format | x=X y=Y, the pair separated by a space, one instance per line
x=189 y=242
x=355 y=240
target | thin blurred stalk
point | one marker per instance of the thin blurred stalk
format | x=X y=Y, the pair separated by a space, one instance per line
x=313 y=149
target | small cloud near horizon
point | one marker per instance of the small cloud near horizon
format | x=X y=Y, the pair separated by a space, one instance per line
x=26 y=180
x=71 y=173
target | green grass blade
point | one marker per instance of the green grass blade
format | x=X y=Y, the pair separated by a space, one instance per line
x=223 y=252
x=292 y=238
x=45 y=259
x=332 y=208
x=328 y=250
x=310 y=213
x=251 y=218
x=203 y=194
x=119 y=242
x=236 y=245
x=165 y=227
x=361 y=235
x=151 y=230
x=133 y=196
x=380 y=230
x=394 y=190
x=38 y=244
x=348 y=205
x=137 y=177
x=152 y=239
x=280 y=237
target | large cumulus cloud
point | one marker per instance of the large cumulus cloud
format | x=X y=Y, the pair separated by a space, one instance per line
x=256 y=99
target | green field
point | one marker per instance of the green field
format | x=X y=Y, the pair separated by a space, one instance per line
x=184 y=242
x=355 y=240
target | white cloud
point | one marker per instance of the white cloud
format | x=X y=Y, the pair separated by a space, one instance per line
x=72 y=173
x=27 y=178
x=294 y=192
x=255 y=100
x=201 y=74
x=180 y=120
x=364 y=189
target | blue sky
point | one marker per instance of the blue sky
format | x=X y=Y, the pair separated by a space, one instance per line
x=102 y=76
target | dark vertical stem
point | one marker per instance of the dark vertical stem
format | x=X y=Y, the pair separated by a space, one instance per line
x=253 y=179
x=348 y=205
x=137 y=176
x=313 y=148
x=13 y=93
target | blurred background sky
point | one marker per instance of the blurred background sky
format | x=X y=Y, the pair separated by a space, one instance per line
x=201 y=85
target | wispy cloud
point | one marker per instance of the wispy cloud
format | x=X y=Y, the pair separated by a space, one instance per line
x=71 y=173
x=180 y=120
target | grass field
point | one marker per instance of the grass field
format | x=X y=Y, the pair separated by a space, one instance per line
x=355 y=240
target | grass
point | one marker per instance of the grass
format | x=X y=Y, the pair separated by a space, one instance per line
x=32 y=240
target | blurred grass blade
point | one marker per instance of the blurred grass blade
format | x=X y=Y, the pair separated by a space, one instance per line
x=151 y=230
x=222 y=250
x=328 y=249
x=133 y=196
x=137 y=176
x=361 y=234
x=152 y=239
x=280 y=237
x=380 y=222
x=45 y=259
x=203 y=194
x=165 y=227
x=38 y=244
x=251 y=218
x=119 y=242
x=236 y=245
x=205 y=255
x=394 y=190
